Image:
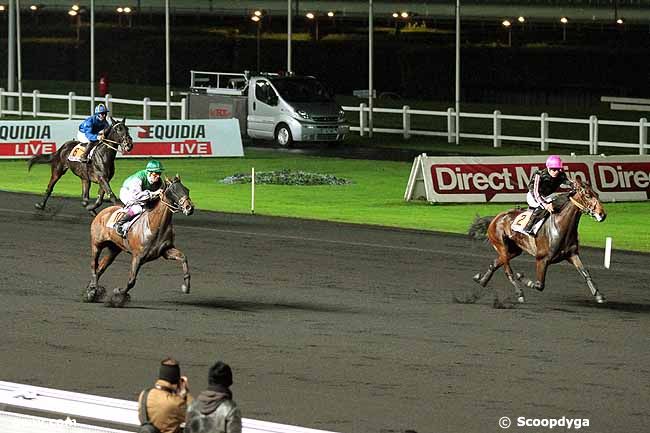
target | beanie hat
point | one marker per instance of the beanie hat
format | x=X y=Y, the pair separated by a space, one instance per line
x=170 y=371
x=220 y=374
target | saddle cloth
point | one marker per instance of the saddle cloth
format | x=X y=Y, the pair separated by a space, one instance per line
x=116 y=215
x=522 y=219
x=78 y=150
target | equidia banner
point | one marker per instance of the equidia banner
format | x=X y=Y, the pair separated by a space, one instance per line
x=159 y=138
x=505 y=179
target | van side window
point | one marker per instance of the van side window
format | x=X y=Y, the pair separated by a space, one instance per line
x=263 y=91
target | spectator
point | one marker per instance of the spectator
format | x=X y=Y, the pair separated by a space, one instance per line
x=167 y=401
x=214 y=410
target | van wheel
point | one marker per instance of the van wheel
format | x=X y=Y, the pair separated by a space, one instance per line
x=283 y=136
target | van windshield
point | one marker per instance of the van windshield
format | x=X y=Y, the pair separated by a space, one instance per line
x=294 y=89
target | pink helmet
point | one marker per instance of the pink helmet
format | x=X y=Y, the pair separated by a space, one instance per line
x=554 y=161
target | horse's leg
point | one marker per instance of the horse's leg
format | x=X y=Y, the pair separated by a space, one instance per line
x=57 y=171
x=121 y=296
x=176 y=254
x=541 y=266
x=100 y=198
x=93 y=293
x=577 y=262
x=85 y=192
x=113 y=252
x=107 y=188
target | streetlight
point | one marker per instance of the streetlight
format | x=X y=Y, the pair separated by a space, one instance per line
x=124 y=11
x=75 y=12
x=312 y=17
x=257 y=18
x=564 y=21
x=508 y=25
x=403 y=15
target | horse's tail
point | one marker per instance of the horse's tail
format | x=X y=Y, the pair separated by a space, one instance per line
x=478 y=229
x=45 y=158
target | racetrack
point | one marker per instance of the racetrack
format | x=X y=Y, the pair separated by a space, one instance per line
x=331 y=326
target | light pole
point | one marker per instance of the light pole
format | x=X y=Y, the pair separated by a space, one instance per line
x=257 y=18
x=564 y=21
x=313 y=17
x=508 y=25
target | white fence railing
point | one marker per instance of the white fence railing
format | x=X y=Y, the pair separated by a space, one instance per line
x=591 y=139
x=103 y=410
x=36 y=97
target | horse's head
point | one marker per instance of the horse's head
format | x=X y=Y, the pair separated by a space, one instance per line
x=587 y=200
x=178 y=195
x=118 y=132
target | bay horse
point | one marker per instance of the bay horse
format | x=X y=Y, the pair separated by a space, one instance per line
x=100 y=170
x=556 y=241
x=150 y=237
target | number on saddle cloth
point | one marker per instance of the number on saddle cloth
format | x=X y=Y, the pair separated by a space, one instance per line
x=78 y=150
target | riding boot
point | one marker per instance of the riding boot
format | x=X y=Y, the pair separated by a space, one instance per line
x=537 y=213
x=119 y=225
x=86 y=156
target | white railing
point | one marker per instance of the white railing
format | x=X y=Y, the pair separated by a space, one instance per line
x=36 y=97
x=121 y=413
x=496 y=120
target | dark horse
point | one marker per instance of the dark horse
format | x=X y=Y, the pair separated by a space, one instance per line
x=99 y=171
x=557 y=239
x=151 y=236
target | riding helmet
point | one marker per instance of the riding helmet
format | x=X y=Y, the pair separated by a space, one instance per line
x=554 y=161
x=154 y=166
x=101 y=108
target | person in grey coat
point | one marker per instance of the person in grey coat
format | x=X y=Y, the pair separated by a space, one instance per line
x=214 y=410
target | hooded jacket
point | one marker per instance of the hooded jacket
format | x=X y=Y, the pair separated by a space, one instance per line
x=213 y=411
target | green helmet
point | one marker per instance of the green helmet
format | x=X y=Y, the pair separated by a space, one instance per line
x=154 y=166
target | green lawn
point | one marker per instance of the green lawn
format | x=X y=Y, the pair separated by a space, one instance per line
x=375 y=195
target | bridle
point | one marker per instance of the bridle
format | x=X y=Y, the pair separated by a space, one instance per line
x=584 y=209
x=174 y=207
x=121 y=146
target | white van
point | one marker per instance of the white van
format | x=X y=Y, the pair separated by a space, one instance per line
x=286 y=109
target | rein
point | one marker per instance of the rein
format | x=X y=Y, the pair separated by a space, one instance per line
x=580 y=206
x=171 y=206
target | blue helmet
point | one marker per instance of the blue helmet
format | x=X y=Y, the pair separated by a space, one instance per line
x=101 y=108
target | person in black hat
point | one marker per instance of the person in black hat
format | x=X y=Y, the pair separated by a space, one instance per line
x=214 y=410
x=167 y=401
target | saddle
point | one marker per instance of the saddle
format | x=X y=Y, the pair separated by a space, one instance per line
x=521 y=221
x=116 y=215
x=77 y=152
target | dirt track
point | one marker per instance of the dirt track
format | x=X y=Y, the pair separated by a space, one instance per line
x=330 y=326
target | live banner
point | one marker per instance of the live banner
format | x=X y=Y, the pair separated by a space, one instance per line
x=155 y=138
x=505 y=179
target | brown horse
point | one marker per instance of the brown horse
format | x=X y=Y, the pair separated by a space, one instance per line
x=99 y=171
x=557 y=239
x=150 y=237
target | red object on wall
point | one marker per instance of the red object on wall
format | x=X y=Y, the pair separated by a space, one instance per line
x=103 y=85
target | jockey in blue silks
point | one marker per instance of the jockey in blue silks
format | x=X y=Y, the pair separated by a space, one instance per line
x=91 y=130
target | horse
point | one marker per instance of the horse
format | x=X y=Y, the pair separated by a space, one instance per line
x=100 y=170
x=556 y=241
x=150 y=237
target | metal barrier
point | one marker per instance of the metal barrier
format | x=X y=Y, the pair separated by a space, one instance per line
x=496 y=120
x=105 y=410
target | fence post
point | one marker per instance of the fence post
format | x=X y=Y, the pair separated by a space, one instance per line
x=146 y=109
x=643 y=135
x=183 y=108
x=593 y=134
x=497 y=128
x=451 y=125
x=406 y=121
x=72 y=108
x=362 y=119
x=107 y=101
x=36 y=103
x=2 y=100
x=543 y=142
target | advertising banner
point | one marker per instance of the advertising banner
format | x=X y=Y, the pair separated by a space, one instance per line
x=505 y=179
x=155 y=138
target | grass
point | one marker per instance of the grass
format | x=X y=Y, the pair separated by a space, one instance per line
x=375 y=196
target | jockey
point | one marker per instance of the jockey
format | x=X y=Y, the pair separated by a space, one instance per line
x=138 y=189
x=91 y=130
x=541 y=188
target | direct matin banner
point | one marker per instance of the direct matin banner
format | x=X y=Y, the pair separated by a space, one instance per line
x=506 y=179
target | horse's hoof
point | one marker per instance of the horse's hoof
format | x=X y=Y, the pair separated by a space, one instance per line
x=478 y=278
x=185 y=288
x=84 y=203
x=521 y=299
x=93 y=294
x=39 y=206
x=600 y=299
x=118 y=300
x=519 y=276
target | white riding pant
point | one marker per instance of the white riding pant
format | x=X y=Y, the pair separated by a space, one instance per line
x=131 y=204
x=530 y=199
x=81 y=137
